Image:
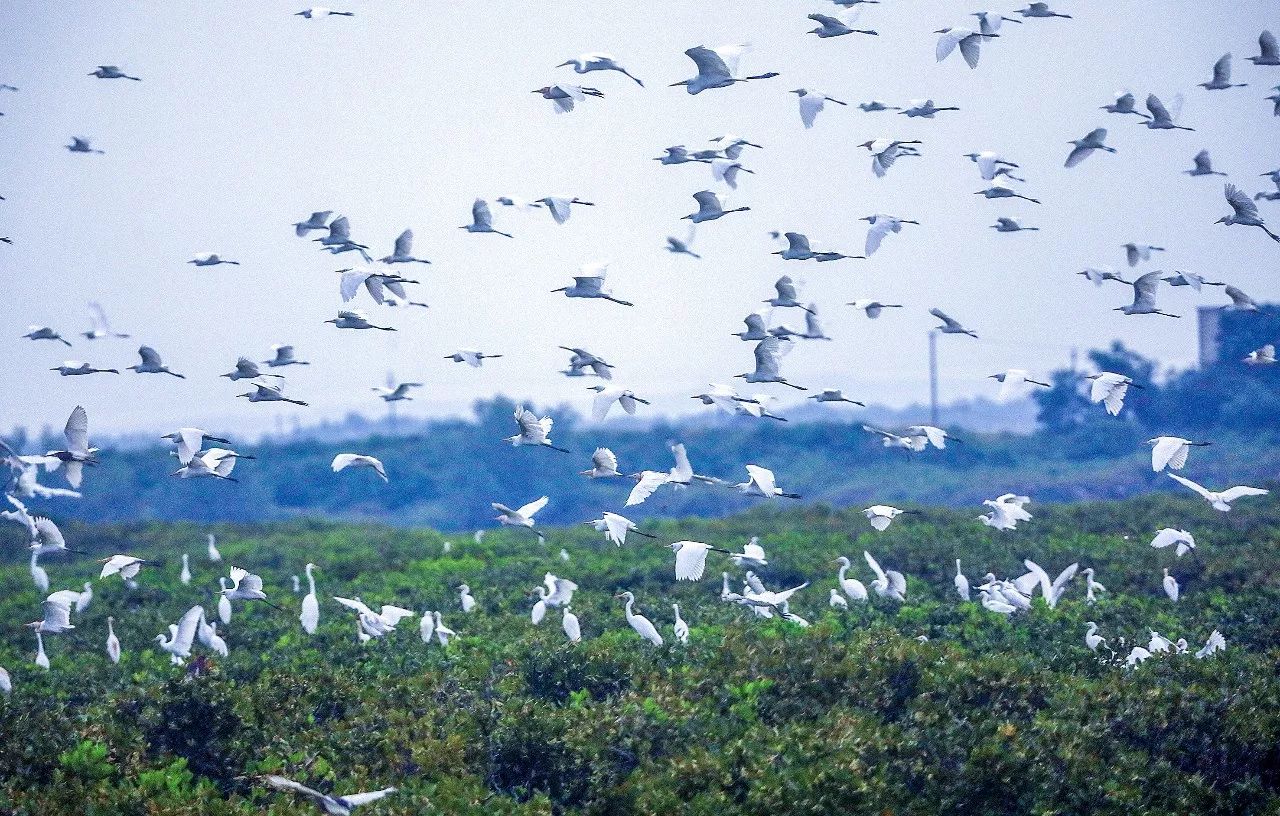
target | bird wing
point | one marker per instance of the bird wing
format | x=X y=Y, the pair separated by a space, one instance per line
x=1188 y=483
x=1164 y=452
x=970 y=49
x=531 y=509
x=682 y=471
x=1144 y=290
x=404 y=243
x=356 y=604
x=601 y=404
x=354 y=799
x=480 y=213
x=1222 y=70
x=1233 y=493
x=763 y=479
x=691 y=560
x=768 y=354
x=1166 y=537
x=48 y=533
x=604 y=459
x=810 y=105
x=731 y=55
x=280 y=783
x=753 y=551
x=948 y=42
x=149 y=356
x=650 y=480
x=949 y=322
x=709 y=61
x=351 y=281
x=77 y=430
x=1240 y=201
x=1267 y=47
x=340 y=229
x=343 y=460
x=875 y=566
x=559 y=208
x=1158 y=111
x=1078 y=155
x=876 y=233
x=707 y=201
x=187 y=627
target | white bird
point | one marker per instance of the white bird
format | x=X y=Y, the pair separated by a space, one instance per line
x=762 y=483
x=1244 y=211
x=1144 y=296
x=851 y=587
x=533 y=430
x=969 y=41
x=78 y=452
x=245 y=586
x=1005 y=224
x=48 y=538
x=207 y=634
x=284 y=356
x=101 y=327
x=873 y=308
x=597 y=61
x=310 y=615
x=768 y=359
x=482 y=219
x=377 y=282
x=616 y=527
x=1110 y=389
x=1262 y=356
x=1171 y=452
x=890 y=584
x=1011 y=381
x=559 y=590
x=949 y=324
x=84 y=598
x=1124 y=103
x=214 y=463
x=1091 y=637
x=42 y=659
x=812 y=103
x=563 y=96
x=185 y=575
x=1084 y=147
x=799 y=249
x=834 y=395
x=926 y=435
x=181 y=636
x=1219 y=500
x=997 y=190
x=355 y=319
x=346 y=460
x=1222 y=76
x=1041 y=10
x=443 y=633
x=924 y=108
x=376 y=624
x=1268 y=55
x=112 y=72
x=640 y=623
x=680 y=628
x=1160 y=119
x=680 y=475
x=152 y=364
x=45 y=333
x=909 y=442
x=1215 y=643
x=569 y=623
x=1136 y=655
x=885 y=152
x=1170 y=585
x=320 y=12
x=1203 y=166
x=991 y=164
x=837 y=601
x=961 y=583
x=560 y=207
x=82 y=144
x=113 y=642
x=726 y=172
x=398 y=394
x=882 y=515
x=56 y=613
x=589 y=283
x=829 y=26
x=224 y=603
x=997 y=604
x=331 y=805
x=465 y=598
x=1099 y=275
x=1006 y=511
x=604 y=464
x=785 y=297
x=522 y=517
x=882 y=225
x=471 y=357
x=126 y=565
x=1170 y=536
x=606 y=397
x=316 y=221
x=268 y=393
x=1192 y=279
x=402 y=252
x=1051 y=590
x=427 y=626
x=709 y=208
x=1092 y=587
x=79 y=368
x=691 y=559
x=190 y=441
x=717 y=68
x=210 y=259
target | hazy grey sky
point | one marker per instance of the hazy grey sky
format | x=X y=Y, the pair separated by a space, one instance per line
x=248 y=118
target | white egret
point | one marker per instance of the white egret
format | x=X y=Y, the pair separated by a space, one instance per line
x=79 y=368
x=191 y=440
x=851 y=587
x=616 y=527
x=471 y=357
x=997 y=190
x=465 y=598
x=872 y=308
x=562 y=97
x=680 y=628
x=950 y=325
x=1215 y=643
x=569 y=623
x=345 y=460
x=1169 y=536
x=126 y=565
x=1171 y=452
x=1244 y=211
x=604 y=464
x=181 y=636
x=45 y=333
x=331 y=805
x=1171 y=587
x=829 y=26
x=402 y=252
x=1160 y=118
x=812 y=103
x=890 y=584
x=709 y=208
x=522 y=517
x=834 y=395
x=882 y=225
x=316 y=221
x=482 y=219
x=560 y=207
x=1203 y=166
x=1222 y=76
x=152 y=364
x=1125 y=103
x=1041 y=10
x=768 y=359
x=42 y=659
x=245 y=586
x=643 y=627
x=1110 y=389
x=606 y=397
x=224 y=603
x=589 y=283
x=762 y=483
x=1091 y=637
x=882 y=515
x=284 y=356
x=320 y=12
x=1144 y=296
x=1268 y=54
x=597 y=61
x=113 y=642
x=961 y=583
x=443 y=633
x=798 y=249
x=1006 y=511
x=310 y=615
x=969 y=41
x=1219 y=500
x=1011 y=381
x=534 y=431
x=268 y=393
x=837 y=601
x=1092 y=587
x=78 y=452
x=82 y=144
x=1084 y=147
x=717 y=68
x=210 y=259
x=185 y=575
x=1004 y=224
x=1262 y=356
x=539 y=610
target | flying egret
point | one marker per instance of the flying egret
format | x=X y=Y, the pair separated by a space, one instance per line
x=310 y=615
x=882 y=225
x=320 y=12
x=1268 y=53
x=1203 y=166
x=1006 y=511
x=1240 y=302
x=268 y=393
x=1192 y=279
x=989 y=23
x=1041 y=10
x=152 y=364
x=835 y=395
x=812 y=103
x=884 y=152
x=1099 y=275
x=997 y=190
x=1171 y=451
x=709 y=208
x=717 y=68
x=560 y=206
x=874 y=106
x=331 y=805
x=563 y=96
x=873 y=308
x=616 y=527
x=45 y=333
x=521 y=517
x=316 y=221
x=768 y=359
x=402 y=252
x=606 y=397
x=882 y=515
x=78 y=453
x=48 y=538
x=798 y=249
x=1262 y=356
x=1110 y=389
x=969 y=41
x=604 y=464
x=1144 y=296
x=112 y=72
x=346 y=460
x=680 y=475
x=375 y=624
x=77 y=368
x=829 y=26
x=1219 y=500
x=851 y=587
x=284 y=355
x=113 y=642
x=961 y=583
x=81 y=144
x=640 y=623
x=354 y=319
x=1215 y=643
x=597 y=61
x=1125 y=103
x=914 y=443
x=992 y=164
x=680 y=628
x=214 y=463
x=1012 y=380
x=101 y=326
x=924 y=108
x=589 y=283
x=482 y=219
x=1011 y=225
x=785 y=297
x=185 y=575
x=1160 y=119
x=1244 y=211
x=127 y=566
x=691 y=559
x=56 y=614
x=471 y=357
x=398 y=394
x=890 y=584
x=1222 y=76
x=190 y=441
x=377 y=281
x=533 y=431
x=950 y=325
x=1084 y=147
x=181 y=636
x=210 y=259
x=1169 y=537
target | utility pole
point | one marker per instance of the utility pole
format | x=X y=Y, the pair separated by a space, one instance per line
x=933 y=377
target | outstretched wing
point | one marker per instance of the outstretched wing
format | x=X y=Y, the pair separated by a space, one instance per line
x=354 y=799
x=77 y=430
x=1233 y=493
x=1205 y=494
x=531 y=509
x=650 y=480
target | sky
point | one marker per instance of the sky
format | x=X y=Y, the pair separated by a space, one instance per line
x=249 y=118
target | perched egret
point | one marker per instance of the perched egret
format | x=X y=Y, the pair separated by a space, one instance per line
x=890 y=584
x=1091 y=637
x=851 y=587
x=680 y=628
x=640 y=623
x=569 y=623
x=1170 y=585
x=961 y=583
x=310 y=615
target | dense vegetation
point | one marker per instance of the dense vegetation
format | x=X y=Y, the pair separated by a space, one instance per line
x=852 y=715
